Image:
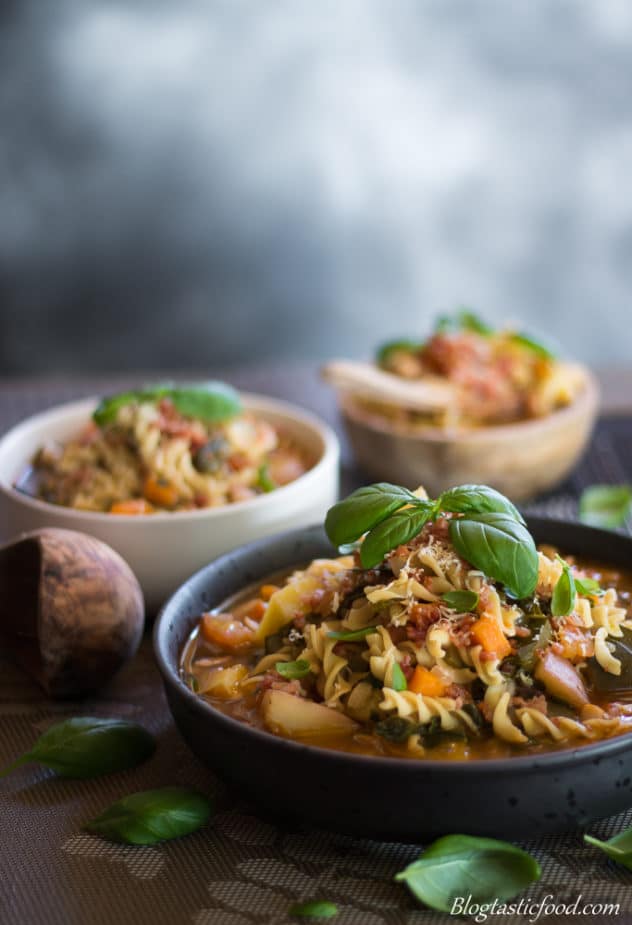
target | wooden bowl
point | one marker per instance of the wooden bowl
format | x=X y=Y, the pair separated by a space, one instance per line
x=520 y=460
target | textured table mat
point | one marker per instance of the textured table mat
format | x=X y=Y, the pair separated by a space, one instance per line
x=242 y=869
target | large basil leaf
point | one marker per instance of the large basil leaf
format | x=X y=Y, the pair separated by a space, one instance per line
x=88 y=746
x=499 y=546
x=363 y=509
x=153 y=816
x=618 y=848
x=396 y=530
x=606 y=506
x=211 y=402
x=479 y=499
x=458 y=866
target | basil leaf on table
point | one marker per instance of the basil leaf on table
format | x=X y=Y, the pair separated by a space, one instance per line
x=351 y=635
x=462 y=601
x=477 y=499
x=291 y=670
x=618 y=848
x=363 y=509
x=396 y=530
x=457 y=866
x=564 y=593
x=152 y=816
x=212 y=402
x=88 y=746
x=606 y=506
x=317 y=909
x=499 y=546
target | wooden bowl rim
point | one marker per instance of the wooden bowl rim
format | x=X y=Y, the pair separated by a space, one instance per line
x=585 y=404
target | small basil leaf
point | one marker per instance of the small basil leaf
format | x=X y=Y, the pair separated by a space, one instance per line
x=87 y=746
x=396 y=530
x=499 y=546
x=468 y=321
x=264 y=481
x=588 y=586
x=606 y=506
x=457 y=866
x=299 y=669
x=563 y=599
x=398 y=678
x=385 y=351
x=535 y=346
x=618 y=848
x=317 y=909
x=462 y=601
x=478 y=499
x=351 y=635
x=364 y=509
x=213 y=401
x=153 y=816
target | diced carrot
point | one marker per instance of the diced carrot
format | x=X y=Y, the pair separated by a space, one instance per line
x=225 y=632
x=266 y=591
x=426 y=682
x=160 y=491
x=131 y=506
x=488 y=634
x=253 y=608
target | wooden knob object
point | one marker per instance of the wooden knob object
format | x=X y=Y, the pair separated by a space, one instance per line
x=71 y=610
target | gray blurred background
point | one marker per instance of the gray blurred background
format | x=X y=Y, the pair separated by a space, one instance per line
x=198 y=183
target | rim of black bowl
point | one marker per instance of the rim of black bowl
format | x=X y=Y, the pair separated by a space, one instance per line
x=549 y=759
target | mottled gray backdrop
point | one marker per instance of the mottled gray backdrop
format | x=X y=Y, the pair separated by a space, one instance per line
x=190 y=183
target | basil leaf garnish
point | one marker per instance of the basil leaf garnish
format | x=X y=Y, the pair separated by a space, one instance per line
x=525 y=340
x=479 y=499
x=606 y=506
x=364 y=509
x=291 y=670
x=499 y=546
x=393 y=532
x=618 y=848
x=351 y=635
x=462 y=601
x=393 y=346
x=317 y=909
x=398 y=678
x=153 y=816
x=468 y=321
x=265 y=483
x=212 y=402
x=458 y=866
x=564 y=593
x=87 y=746
x=588 y=586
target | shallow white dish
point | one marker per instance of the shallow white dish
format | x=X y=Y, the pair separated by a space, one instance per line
x=164 y=549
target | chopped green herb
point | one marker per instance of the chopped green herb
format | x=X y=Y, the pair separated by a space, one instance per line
x=351 y=635
x=293 y=670
x=264 y=481
x=398 y=678
x=462 y=601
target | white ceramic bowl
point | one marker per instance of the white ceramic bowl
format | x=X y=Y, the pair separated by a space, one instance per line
x=164 y=549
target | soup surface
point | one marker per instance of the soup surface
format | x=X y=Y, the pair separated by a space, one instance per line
x=391 y=661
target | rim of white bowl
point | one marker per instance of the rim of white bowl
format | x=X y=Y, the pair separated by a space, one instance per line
x=330 y=453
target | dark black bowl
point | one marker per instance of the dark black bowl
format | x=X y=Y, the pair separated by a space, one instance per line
x=388 y=797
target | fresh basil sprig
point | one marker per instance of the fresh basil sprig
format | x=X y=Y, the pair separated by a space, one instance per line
x=490 y=534
x=564 y=592
x=366 y=507
x=618 y=848
x=294 y=670
x=211 y=401
x=462 y=601
x=316 y=909
x=460 y=865
x=606 y=506
x=351 y=635
x=87 y=746
x=152 y=816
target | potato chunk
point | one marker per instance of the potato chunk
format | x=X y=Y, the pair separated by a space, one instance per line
x=293 y=716
x=561 y=680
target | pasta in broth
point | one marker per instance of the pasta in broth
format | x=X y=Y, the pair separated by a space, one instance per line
x=423 y=654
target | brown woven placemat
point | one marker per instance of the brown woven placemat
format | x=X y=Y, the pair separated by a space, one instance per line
x=242 y=869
